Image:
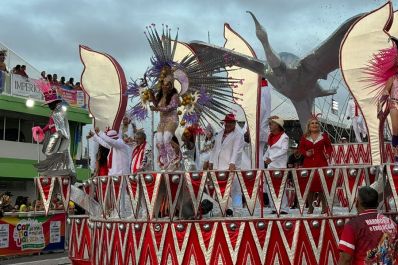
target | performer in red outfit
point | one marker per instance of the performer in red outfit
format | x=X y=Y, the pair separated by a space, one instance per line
x=316 y=148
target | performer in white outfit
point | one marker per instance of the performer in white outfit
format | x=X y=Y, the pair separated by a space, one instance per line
x=358 y=123
x=276 y=156
x=227 y=154
x=265 y=112
x=118 y=163
x=118 y=158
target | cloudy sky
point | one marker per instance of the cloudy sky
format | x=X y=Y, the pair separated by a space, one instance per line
x=47 y=32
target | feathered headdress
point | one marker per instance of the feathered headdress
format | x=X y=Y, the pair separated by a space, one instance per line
x=382 y=67
x=50 y=95
x=204 y=88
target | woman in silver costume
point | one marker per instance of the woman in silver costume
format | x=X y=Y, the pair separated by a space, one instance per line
x=56 y=145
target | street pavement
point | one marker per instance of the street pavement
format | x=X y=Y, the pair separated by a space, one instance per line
x=44 y=259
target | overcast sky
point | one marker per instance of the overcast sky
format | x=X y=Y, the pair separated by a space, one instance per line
x=47 y=32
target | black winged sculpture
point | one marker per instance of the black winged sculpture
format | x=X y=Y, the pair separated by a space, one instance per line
x=295 y=78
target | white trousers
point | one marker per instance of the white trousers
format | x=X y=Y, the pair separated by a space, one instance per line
x=359 y=127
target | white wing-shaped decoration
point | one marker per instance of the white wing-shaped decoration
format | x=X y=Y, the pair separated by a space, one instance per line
x=103 y=80
x=249 y=88
x=365 y=38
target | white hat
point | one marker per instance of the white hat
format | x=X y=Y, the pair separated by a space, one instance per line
x=277 y=120
x=112 y=134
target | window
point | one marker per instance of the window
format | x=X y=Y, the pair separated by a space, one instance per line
x=12 y=129
x=2 y=127
x=26 y=131
x=17 y=127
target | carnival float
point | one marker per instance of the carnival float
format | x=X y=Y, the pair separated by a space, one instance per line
x=123 y=224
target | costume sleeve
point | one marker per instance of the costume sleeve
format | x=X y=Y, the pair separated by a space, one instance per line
x=237 y=148
x=46 y=128
x=111 y=142
x=99 y=140
x=282 y=151
x=328 y=144
x=347 y=239
x=173 y=105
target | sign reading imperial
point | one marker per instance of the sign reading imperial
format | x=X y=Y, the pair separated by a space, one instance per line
x=24 y=87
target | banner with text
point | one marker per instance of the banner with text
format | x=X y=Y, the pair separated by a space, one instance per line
x=25 y=235
x=74 y=98
x=24 y=87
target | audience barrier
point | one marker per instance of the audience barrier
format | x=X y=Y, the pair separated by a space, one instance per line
x=23 y=233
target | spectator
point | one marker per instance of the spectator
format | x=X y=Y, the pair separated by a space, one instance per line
x=56 y=202
x=3 y=66
x=77 y=86
x=62 y=80
x=70 y=83
x=39 y=205
x=275 y=157
x=23 y=71
x=370 y=237
x=5 y=203
x=43 y=75
x=17 y=69
x=21 y=203
x=227 y=153
x=50 y=78
x=316 y=148
x=55 y=79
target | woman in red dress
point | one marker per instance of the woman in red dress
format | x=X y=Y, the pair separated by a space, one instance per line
x=316 y=148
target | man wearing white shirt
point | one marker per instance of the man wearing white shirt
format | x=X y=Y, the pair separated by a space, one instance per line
x=358 y=123
x=118 y=158
x=227 y=154
x=275 y=157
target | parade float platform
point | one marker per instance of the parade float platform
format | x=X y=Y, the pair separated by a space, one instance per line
x=252 y=236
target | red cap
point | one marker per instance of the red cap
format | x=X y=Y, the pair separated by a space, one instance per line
x=229 y=117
